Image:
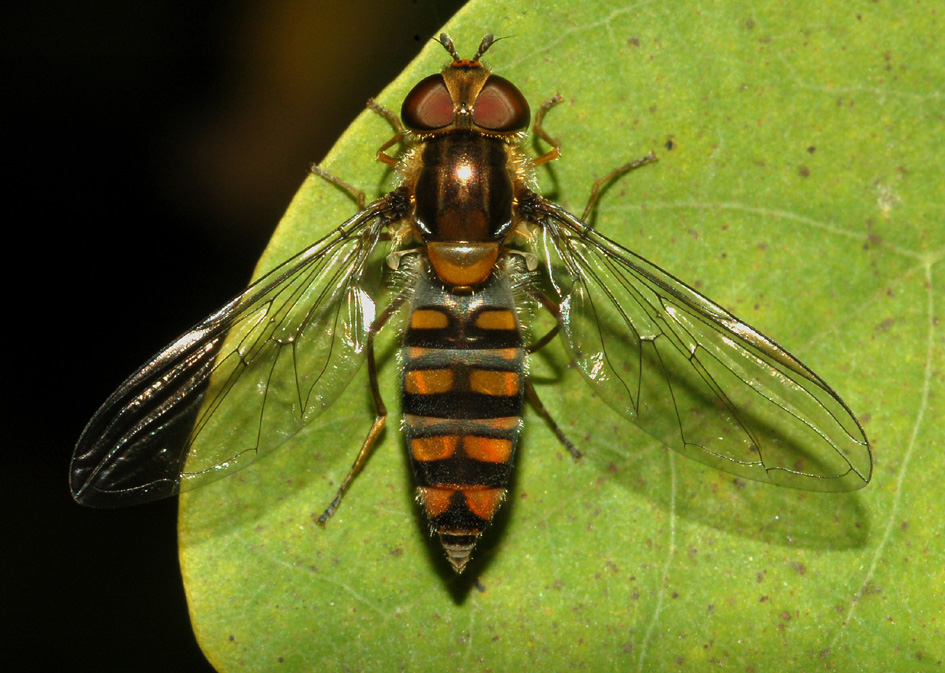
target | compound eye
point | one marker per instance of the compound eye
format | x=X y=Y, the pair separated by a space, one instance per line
x=500 y=106
x=428 y=106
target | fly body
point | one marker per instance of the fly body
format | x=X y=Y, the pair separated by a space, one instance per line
x=474 y=250
x=463 y=354
x=463 y=387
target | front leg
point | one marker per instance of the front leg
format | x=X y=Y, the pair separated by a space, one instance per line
x=399 y=134
x=540 y=132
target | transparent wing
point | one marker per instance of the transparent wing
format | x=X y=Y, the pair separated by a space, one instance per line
x=690 y=373
x=243 y=381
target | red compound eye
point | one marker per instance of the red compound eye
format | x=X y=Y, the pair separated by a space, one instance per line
x=428 y=106
x=501 y=106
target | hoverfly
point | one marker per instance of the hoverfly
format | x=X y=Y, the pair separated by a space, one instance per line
x=472 y=254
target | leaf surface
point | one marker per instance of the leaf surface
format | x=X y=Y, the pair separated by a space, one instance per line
x=799 y=185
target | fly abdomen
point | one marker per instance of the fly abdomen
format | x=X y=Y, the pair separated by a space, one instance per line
x=462 y=387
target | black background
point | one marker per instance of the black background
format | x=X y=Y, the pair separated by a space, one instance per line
x=151 y=148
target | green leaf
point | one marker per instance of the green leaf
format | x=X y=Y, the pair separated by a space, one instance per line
x=803 y=191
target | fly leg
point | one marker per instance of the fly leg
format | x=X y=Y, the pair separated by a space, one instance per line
x=545 y=414
x=553 y=309
x=382 y=154
x=555 y=152
x=613 y=175
x=355 y=193
x=530 y=389
x=380 y=409
x=540 y=132
x=380 y=420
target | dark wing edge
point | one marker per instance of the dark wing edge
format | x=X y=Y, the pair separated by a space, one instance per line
x=690 y=373
x=307 y=319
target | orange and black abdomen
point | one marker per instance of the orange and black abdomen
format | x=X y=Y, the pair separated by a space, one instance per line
x=463 y=383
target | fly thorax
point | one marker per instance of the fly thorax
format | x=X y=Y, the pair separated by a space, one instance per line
x=464 y=190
